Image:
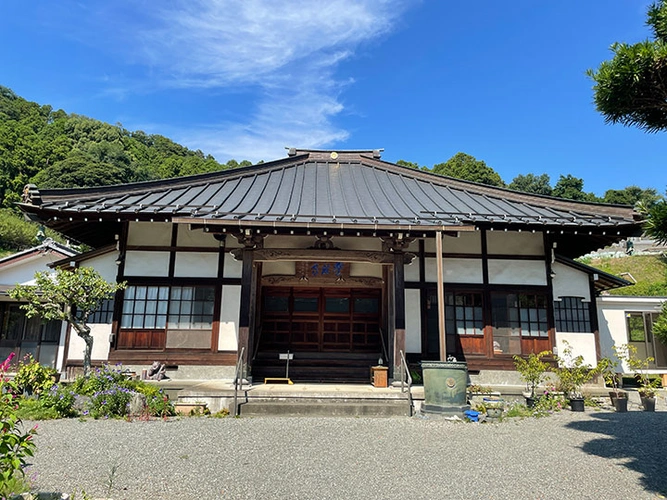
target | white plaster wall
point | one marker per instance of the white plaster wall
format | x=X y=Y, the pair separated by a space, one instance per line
x=232 y=242
x=233 y=268
x=412 y=271
x=455 y=270
x=365 y=269
x=469 y=242
x=581 y=344
x=100 y=333
x=196 y=265
x=138 y=263
x=278 y=267
x=360 y=243
x=517 y=272
x=413 y=336
x=570 y=282
x=154 y=234
x=195 y=238
x=280 y=241
x=514 y=243
x=23 y=271
x=105 y=265
x=229 y=318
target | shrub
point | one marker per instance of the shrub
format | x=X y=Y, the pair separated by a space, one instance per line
x=101 y=379
x=61 y=399
x=33 y=378
x=110 y=392
x=112 y=402
x=532 y=369
x=157 y=402
x=15 y=443
x=35 y=409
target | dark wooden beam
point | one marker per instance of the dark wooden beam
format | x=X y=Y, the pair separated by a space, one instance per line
x=312 y=254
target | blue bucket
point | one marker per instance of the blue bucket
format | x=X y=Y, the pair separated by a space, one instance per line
x=472 y=415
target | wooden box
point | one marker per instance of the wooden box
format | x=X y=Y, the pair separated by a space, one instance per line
x=379 y=376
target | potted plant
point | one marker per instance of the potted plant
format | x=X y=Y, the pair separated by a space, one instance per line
x=639 y=366
x=607 y=367
x=573 y=373
x=533 y=370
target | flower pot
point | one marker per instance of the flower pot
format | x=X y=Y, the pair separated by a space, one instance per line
x=530 y=401
x=577 y=404
x=494 y=412
x=648 y=403
x=617 y=394
x=620 y=404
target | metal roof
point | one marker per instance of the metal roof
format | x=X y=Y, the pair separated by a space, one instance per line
x=324 y=189
x=47 y=246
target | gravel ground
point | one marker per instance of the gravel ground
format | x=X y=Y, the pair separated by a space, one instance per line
x=596 y=455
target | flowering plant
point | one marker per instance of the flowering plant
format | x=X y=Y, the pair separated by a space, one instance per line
x=15 y=444
x=112 y=402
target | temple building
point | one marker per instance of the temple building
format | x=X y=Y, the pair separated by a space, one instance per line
x=332 y=256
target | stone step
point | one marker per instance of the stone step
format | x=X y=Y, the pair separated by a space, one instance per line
x=325 y=408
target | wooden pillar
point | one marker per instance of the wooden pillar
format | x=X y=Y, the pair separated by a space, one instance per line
x=245 y=309
x=397 y=245
x=441 y=296
x=399 y=311
x=246 y=339
x=593 y=314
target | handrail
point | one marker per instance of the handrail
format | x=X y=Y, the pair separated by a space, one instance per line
x=406 y=371
x=239 y=368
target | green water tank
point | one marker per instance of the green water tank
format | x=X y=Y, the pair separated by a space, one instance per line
x=445 y=384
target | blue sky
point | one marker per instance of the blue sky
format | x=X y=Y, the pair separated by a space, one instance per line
x=502 y=81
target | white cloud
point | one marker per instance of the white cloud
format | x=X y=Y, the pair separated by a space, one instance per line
x=218 y=42
x=289 y=50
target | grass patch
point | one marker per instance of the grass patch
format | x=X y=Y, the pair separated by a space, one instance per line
x=650 y=272
x=33 y=409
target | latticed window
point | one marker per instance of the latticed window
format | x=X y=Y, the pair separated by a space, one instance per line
x=174 y=308
x=145 y=307
x=464 y=314
x=572 y=314
x=103 y=314
x=517 y=316
x=191 y=307
x=533 y=315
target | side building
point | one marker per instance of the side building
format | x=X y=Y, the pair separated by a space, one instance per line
x=332 y=256
x=30 y=336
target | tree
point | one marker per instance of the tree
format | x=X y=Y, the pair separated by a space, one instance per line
x=467 y=167
x=629 y=89
x=530 y=183
x=408 y=164
x=655 y=221
x=631 y=195
x=67 y=295
x=572 y=188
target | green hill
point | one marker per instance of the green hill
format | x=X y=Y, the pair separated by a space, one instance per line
x=54 y=149
x=649 y=271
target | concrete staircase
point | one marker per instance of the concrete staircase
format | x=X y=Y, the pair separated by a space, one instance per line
x=325 y=407
x=317 y=400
